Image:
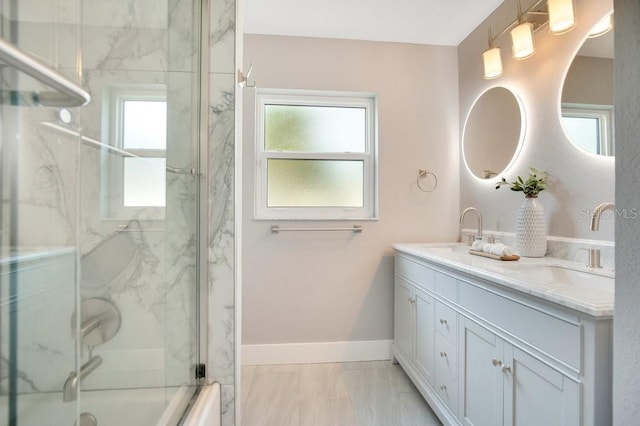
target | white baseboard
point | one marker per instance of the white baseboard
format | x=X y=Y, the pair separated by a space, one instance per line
x=312 y=353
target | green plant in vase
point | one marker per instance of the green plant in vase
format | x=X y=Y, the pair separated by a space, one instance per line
x=531 y=227
x=536 y=182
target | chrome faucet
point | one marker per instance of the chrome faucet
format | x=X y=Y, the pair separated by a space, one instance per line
x=478 y=215
x=594 y=254
x=70 y=388
x=597 y=213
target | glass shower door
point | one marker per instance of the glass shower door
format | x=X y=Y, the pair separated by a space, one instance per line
x=99 y=215
x=38 y=189
x=139 y=183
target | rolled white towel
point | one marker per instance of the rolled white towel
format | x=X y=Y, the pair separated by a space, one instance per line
x=499 y=249
x=478 y=245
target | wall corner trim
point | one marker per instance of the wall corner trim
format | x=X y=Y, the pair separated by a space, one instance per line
x=320 y=352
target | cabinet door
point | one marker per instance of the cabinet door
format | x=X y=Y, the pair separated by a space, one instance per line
x=424 y=306
x=481 y=371
x=403 y=328
x=536 y=394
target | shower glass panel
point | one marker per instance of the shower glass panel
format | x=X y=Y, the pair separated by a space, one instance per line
x=99 y=268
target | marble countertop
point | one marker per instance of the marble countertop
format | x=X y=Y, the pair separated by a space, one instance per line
x=565 y=283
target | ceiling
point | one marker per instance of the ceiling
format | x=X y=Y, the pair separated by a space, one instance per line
x=434 y=22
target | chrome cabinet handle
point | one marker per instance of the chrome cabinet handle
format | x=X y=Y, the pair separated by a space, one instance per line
x=443 y=387
x=443 y=354
x=506 y=368
x=496 y=362
x=443 y=321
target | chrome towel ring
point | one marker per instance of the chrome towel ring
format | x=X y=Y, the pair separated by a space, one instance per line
x=425 y=174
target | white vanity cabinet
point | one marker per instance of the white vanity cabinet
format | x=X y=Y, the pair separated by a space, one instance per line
x=413 y=328
x=485 y=355
x=505 y=385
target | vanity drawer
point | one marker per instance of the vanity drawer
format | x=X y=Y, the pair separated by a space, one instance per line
x=446 y=358
x=551 y=332
x=446 y=286
x=415 y=272
x=446 y=383
x=446 y=321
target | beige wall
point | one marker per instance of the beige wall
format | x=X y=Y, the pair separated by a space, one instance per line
x=589 y=81
x=326 y=287
x=579 y=180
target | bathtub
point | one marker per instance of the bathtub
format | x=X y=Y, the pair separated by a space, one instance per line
x=123 y=407
x=205 y=410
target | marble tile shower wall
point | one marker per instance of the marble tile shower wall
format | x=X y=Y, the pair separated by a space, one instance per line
x=221 y=233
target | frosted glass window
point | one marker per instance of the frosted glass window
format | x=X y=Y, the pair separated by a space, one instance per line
x=315 y=128
x=144 y=124
x=315 y=183
x=315 y=155
x=144 y=182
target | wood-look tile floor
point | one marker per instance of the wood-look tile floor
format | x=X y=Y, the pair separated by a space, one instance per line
x=348 y=394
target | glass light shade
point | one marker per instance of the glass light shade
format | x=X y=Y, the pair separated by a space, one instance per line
x=561 y=17
x=602 y=27
x=522 y=40
x=492 y=63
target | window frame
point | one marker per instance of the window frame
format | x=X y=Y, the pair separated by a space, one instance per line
x=603 y=114
x=113 y=196
x=369 y=158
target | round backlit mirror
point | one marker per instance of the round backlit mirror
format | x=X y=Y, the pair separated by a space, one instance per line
x=587 y=95
x=493 y=132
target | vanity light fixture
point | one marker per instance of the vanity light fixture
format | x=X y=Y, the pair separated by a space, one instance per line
x=492 y=60
x=559 y=14
x=561 y=17
x=602 y=27
x=522 y=37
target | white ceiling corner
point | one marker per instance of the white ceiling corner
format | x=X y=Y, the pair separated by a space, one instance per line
x=444 y=22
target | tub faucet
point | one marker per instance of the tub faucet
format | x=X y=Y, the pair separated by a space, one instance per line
x=70 y=388
x=478 y=215
x=597 y=213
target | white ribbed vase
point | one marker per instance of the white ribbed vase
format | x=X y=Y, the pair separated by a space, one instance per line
x=531 y=229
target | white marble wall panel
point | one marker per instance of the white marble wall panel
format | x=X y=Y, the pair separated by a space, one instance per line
x=124 y=48
x=53 y=43
x=45 y=299
x=47 y=177
x=181 y=219
x=222 y=36
x=222 y=238
x=122 y=13
x=60 y=11
x=184 y=22
x=221 y=235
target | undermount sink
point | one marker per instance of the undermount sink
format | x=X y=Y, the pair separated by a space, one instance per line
x=447 y=248
x=601 y=272
x=566 y=275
